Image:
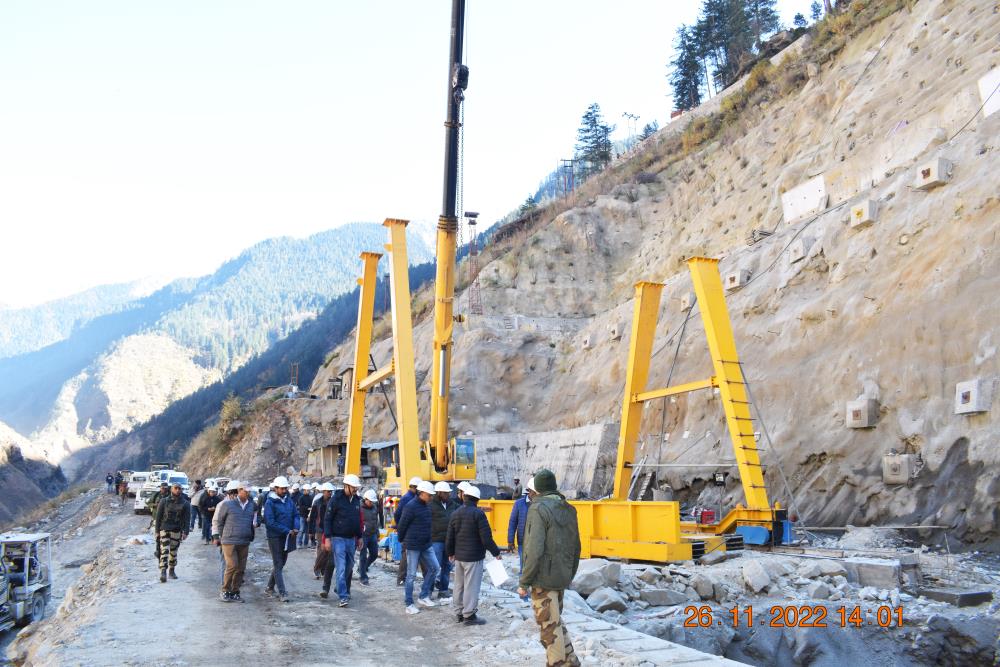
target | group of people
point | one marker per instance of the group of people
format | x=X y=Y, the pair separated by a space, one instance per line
x=444 y=536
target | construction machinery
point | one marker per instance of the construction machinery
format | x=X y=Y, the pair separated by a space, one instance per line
x=25 y=578
x=440 y=457
x=653 y=530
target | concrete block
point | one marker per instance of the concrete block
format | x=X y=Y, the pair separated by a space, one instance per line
x=736 y=279
x=586 y=343
x=987 y=85
x=864 y=214
x=755 y=577
x=687 y=300
x=972 y=396
x=799 y=249
x=956 y=596
x=862 y=413
x=616 y=330
x=804 y=200
x=897 y=468
x=874 y=572
x=932 y=174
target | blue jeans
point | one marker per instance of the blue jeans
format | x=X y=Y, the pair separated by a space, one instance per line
x=444 y=563
x=206 y=527
x=278 y=558
x=343 y=556
x=195 y=516
x=413 y=559
x=303 y=538
x=369 y=552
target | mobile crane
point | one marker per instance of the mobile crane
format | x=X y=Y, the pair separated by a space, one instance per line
x=440 y=457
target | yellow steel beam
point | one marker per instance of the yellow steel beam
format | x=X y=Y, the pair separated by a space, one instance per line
x=729 y=373
x=672 y=391
x=362 y=348
x=376 y=377
x=444 y=293
x=402 y=352
x=645 y=313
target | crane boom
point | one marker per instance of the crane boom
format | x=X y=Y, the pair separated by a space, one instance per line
x=447 y=228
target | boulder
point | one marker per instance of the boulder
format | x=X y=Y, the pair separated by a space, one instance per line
x=649 y=576
x=810 y=570
x=586 y=583
x=663 y=597
x=594 y=573
x=775 y=568
x=831 y=568
x=606 y=598
x=712 y=557
x=755 y=577
x=575 y=602
x=703 y=585
x=818 y=590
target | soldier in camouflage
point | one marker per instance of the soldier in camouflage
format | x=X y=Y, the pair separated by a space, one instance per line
x=551 y=558
x=173 y=521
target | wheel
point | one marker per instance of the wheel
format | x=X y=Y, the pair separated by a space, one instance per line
x=35 y=613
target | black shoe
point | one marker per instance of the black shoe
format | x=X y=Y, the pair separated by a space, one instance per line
x=269 y=592
x=459 y=618
x=473 y=620
x=324 y=594
x=235 y=597
x=163 y=576
x=172 y=574
x=226 y=596
x=365 y=582
x=317 y=574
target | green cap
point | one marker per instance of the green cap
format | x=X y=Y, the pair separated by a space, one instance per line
x=545 y=481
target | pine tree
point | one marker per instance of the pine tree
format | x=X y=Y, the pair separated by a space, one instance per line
x=686 y=73
x=648 y=130
x=763 y=18
x=800 y=21
x=593 y=146
x=815 y=10
x=728 y=38
x=528 y=206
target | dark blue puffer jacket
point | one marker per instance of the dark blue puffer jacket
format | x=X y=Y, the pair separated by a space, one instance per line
x=403 y=502
x=518 y=519
x=343 y=516
x=280 y=515
x=415 y=526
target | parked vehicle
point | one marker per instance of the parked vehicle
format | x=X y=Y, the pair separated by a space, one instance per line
x=135 y=482
x=25 y=578
x=217 y=483
x=152 y=485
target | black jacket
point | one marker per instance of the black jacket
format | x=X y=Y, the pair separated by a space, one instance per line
x=173 y=514
x=370 y=515
x=469 y=535
x=414 y=527
x=208 y=503
x=305 y=503
x=343 y=516
x=440 y=514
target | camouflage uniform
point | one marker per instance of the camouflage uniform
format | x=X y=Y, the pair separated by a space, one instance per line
x=547 y=606
x=172 y=520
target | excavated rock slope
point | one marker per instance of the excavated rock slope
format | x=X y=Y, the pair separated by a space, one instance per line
x=899 y=311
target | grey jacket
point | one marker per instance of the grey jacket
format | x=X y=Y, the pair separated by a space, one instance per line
x=234 y=524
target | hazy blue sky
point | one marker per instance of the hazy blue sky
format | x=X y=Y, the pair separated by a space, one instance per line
x=161 y=138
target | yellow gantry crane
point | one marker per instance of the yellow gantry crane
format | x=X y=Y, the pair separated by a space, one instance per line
x=440 y=457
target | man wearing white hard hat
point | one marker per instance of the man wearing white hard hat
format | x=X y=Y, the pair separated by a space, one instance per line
x=397 y=515
x=233 y=530
x=414 y=530
x=442 y=507
x=282 y=521
x=469 y=538
x=304 y=502
x=517 y=522
x=369 y=538
x=342 y=531
x=316 y=515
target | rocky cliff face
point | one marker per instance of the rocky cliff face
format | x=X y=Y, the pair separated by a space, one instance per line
x=898 y=311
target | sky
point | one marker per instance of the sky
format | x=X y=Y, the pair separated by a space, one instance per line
x=144 y=139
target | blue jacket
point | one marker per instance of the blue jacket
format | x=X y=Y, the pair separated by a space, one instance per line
x=280 y=515
x=407 y=497
x=343 y=516
x=518 y=518
x=414 y=526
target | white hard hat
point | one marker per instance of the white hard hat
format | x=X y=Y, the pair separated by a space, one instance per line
x=314 y=485
x=233 y=485
x=243 y=485
x=326 y=486
x=295 y=487
x=352 y=480
x=443 y=487
x=280 y=482
x=370 y=496
x=414 y=481
x=472 y=491
x=462 y=486
x=531 y=483
x=425 y=487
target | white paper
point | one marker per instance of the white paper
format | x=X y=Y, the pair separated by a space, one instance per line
x=496 y=570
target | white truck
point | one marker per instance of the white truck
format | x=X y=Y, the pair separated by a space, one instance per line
x=152 y=485
x=135 y=482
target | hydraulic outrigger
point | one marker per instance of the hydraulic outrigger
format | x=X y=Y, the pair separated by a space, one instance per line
x=440 y=457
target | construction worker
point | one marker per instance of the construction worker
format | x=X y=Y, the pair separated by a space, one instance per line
x=233 y=530
x=469 y=538
x=442 y=507
x=304 y=504
x=517 y=488
x=518 y=517
x=281 y=520
x=369 y=536
x=341 y=534
x=397 y=515
x=172 y=524
x=551 y=558
x=316 y=517
x=414 y=530
x=209 y=502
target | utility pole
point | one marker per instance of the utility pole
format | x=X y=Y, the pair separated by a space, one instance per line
x=631 y=122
